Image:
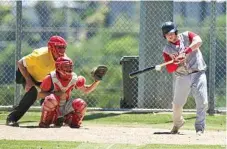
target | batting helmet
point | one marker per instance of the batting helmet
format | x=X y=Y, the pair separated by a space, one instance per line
x=64 y=66
x=169 y=27
x=57 y=45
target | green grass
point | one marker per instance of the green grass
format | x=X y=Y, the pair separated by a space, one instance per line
x=156 y=120
x=216 y=122
x=10 y=144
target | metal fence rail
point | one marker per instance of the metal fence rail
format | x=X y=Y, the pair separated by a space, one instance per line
x=107 y=32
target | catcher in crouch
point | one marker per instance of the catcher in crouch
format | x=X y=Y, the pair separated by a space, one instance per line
x=56 y=88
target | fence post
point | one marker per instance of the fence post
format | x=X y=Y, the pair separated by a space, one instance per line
x=212 y=60
x=152 y=15
x=18 y=46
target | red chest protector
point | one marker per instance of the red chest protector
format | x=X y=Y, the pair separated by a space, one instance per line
x=66 y=87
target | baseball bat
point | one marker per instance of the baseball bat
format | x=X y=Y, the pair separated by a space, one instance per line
x=136 y=73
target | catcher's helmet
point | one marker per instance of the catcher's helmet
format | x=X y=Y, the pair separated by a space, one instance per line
x=64 y=66
x=169 y=27
x=57 y=45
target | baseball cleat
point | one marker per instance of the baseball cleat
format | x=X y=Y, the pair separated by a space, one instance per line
x=12 y=123
x=199 y=132
x=43 y=125
x=59 y=122
x=175 y=129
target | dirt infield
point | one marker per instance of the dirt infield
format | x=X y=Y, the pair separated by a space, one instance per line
x=112 y=134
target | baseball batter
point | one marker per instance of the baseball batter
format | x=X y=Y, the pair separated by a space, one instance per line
x=189 y=74
x=56 y=88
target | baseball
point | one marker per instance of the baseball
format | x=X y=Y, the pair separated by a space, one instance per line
x=158 y=68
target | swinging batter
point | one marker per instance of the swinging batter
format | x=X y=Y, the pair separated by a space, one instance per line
x=189 y=73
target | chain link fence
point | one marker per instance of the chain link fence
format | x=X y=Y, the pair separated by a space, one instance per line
x=125 y=36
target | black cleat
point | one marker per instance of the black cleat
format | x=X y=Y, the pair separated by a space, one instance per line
x=74 y=126
x=11 y=123
x=43 y=125
x=59 y=122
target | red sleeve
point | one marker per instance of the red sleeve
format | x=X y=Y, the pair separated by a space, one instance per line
x=170 y=67
x=191 y=35
x=46 y=84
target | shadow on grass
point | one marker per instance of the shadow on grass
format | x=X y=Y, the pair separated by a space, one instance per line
x=100 y=115
x=29 y=126
x=188 y=118
x=52 y=127
x=104 y=115
x=22 y=122
x=94 y=116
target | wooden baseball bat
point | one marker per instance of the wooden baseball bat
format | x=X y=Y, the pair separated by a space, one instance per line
x=136 y=73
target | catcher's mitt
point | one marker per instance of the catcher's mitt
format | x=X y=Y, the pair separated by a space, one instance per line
x=98 y=72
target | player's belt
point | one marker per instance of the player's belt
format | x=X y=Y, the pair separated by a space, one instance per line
x=194 y=71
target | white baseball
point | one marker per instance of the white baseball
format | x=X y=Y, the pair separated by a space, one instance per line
x=158 y=68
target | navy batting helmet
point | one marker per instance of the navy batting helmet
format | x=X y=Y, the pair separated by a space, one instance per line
x=169 y=27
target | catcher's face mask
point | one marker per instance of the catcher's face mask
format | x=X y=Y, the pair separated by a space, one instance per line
x=64 y=66
x=57 y=45
x=60 y=50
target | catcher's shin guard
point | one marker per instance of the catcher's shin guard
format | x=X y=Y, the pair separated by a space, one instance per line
x=26 y=102
x=74 y=119
x=49 y=111
x=47 y=118
x=59 y=119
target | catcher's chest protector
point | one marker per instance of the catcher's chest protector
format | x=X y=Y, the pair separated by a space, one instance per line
x=58 y=86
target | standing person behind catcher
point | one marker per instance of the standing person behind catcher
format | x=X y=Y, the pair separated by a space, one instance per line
x=189 y=70
x=32 y=69
x=59 y=108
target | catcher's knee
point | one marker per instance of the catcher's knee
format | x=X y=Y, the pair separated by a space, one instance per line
x=49 y=111
x=79 y=105
x=74 y=119
x=80 y=82
x=50 y=103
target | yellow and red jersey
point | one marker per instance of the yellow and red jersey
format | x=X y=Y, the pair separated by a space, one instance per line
x=39 y=63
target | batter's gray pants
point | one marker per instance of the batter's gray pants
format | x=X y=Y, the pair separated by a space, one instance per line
x=197 y=84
